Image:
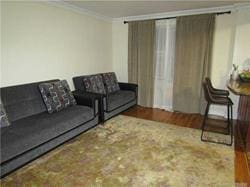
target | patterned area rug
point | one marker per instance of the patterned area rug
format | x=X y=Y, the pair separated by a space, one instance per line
x=129 y=151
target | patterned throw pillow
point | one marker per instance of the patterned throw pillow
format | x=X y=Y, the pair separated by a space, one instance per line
x=57 y=95
x=110 y=81
x=66 y=93
x=4 y=121
x=94 y=84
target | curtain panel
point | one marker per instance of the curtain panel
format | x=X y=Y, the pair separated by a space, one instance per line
x=141 y=59
x=194 y=38
x=165 y=58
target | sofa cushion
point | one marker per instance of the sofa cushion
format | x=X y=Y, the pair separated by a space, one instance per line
x=27 y=133
x=119 y=98
x=24 y=100
x=94 y=84
x=110 y=82
x=4 y=121
x=57 y=95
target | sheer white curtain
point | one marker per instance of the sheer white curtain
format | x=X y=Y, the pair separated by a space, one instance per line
x=165 y=58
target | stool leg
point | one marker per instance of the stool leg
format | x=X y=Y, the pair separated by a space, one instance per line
x=204 y=120
x=228 y=119
x=232 y=127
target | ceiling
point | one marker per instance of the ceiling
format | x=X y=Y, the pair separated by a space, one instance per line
x=118 y=9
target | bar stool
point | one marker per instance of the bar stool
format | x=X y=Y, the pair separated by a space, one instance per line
x=221 y=98
x=215 y=91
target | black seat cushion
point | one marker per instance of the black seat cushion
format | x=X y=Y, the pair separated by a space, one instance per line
x=119 y=98
x=27 y=133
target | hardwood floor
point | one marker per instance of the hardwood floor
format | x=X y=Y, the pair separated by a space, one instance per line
x=242 y=175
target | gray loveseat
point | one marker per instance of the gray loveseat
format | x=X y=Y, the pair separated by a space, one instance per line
x=33 y=131
x=113 y=103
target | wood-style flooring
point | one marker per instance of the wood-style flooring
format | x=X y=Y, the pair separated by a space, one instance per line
x=242 y=174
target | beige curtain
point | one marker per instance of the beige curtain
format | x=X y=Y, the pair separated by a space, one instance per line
x=194 y=38
x=141 y=59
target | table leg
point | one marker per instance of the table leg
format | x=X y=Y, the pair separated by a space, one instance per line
x=244 y=122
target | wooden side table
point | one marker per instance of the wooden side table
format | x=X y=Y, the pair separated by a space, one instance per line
x=243 y=118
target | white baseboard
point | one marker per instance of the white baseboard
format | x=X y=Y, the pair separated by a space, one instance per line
x=214 y=110
x=221 y=111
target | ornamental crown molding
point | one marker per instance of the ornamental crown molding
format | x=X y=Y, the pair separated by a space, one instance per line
x=74 y=8
x=236 y=7
x=68 y=6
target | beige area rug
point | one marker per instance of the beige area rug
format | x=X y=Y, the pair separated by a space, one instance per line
x=129 y=151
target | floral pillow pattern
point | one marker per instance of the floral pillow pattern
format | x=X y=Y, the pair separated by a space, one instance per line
x=4 y=121
x=57 y=95
x=94 y=84
x=110 y=82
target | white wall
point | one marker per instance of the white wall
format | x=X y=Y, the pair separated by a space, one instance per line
x=231 y=45
x=222 y=53
x=41 y=42
x=242 y=36
x=120 y=50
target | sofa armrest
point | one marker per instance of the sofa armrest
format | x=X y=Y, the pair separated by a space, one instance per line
x=128 y=86
x=87 y=99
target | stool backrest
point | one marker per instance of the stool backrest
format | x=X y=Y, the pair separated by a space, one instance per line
x=207 y=92
x=209 y=84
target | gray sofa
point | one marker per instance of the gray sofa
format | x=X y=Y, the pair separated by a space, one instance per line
x=33 y=131
x=110 y=104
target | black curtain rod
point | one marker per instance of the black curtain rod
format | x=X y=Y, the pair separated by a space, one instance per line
x=219 y=13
